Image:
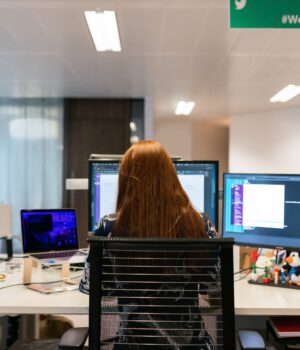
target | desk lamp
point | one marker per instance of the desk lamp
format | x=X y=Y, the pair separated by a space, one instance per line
x=6 y=227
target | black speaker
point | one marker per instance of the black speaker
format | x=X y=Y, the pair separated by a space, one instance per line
x=9 y=248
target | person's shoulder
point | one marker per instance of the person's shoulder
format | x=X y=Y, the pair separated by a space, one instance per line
x=204 y=216
x=209 y=226
x=109 y=218
x=104 y=227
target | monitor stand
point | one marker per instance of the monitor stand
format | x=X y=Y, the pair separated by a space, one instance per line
x=47 y=288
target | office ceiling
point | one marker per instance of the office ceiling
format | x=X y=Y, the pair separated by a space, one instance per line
x=171 y=50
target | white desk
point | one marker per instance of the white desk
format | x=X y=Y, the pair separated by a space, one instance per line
x=257 y=300
x=249 y=300
x=21 y=300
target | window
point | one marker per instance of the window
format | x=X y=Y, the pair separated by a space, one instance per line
x=31 y=156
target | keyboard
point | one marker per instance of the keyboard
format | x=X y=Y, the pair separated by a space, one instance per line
x=52 y=255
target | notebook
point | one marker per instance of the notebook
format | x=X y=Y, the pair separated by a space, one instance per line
x=286 y=326
x=50 y=235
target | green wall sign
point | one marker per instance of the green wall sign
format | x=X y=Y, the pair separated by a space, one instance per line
x=264 y=13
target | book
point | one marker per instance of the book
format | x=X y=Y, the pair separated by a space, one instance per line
x=286 y=326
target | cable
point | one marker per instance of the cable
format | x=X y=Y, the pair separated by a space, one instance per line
x=12 y=285
x=241 y=278
x=57 y=281
x=248 y=268
x=58 y=267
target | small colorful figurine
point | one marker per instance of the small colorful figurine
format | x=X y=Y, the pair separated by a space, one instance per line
x=294 y=272
x=266 y=278
x=254 y=273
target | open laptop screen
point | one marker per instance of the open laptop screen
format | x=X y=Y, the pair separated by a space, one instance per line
x=49 y=230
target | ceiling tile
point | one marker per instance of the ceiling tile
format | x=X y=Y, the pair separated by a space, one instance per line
x=173 y=68
x=181 y=29
x=7 y=43
x=189 y=4
x=262 y=69
x=233 y=68
x=252 y=41
x=66 y=28
x=140 y=30
x=25 y=30
x=285 y=42
x=217 y=38
x=172 y=49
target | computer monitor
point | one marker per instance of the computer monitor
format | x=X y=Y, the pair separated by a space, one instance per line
x=198 y=178
x=262 y=210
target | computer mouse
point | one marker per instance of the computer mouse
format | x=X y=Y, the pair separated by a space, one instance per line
x=251 y=340
x=51 y=261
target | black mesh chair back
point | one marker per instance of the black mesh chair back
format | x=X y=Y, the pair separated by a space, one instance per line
x=161 y=294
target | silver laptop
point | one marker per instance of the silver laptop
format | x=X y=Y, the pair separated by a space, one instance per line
x=50 y=236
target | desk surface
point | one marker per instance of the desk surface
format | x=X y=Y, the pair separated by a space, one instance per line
x=20 y=300
x=249 y=300
x=253 y=299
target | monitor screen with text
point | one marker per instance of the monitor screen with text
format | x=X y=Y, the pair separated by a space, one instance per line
x=198 y=178
x=262 y=209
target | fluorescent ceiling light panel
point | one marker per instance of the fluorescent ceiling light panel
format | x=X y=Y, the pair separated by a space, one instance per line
x=286 y=94
x=104 y=30
x=189 y=107
x=184 y=108
x=180 y=108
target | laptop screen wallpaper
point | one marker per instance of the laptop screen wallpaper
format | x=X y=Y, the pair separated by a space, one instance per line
x=49 y=230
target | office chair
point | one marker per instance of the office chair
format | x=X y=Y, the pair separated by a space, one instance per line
x=72 y=339
x=152 y=294
x=161 y=294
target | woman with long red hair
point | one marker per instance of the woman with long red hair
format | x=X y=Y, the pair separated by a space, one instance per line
x=151 y=203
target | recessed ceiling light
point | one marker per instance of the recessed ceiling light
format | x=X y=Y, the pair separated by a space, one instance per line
x=132 y=126
x=286 y=94
x=104 y=30
x=184 y=108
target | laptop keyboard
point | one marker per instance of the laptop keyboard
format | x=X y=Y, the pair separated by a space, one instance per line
x=51 y=255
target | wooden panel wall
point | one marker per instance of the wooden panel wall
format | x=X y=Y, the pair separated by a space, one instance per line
x=91 y=126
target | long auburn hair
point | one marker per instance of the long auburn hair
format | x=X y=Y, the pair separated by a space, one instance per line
x=151 y=201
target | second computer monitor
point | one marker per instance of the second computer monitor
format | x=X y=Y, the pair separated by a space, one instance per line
x=262 y=210
x=198 y=178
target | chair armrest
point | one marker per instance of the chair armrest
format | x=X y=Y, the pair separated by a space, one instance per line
x=250 y=340
x=73 y=338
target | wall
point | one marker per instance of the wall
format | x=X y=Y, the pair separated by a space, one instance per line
x=210 y=142
x=175 y=135
x=195 y=140
x=265 y=142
